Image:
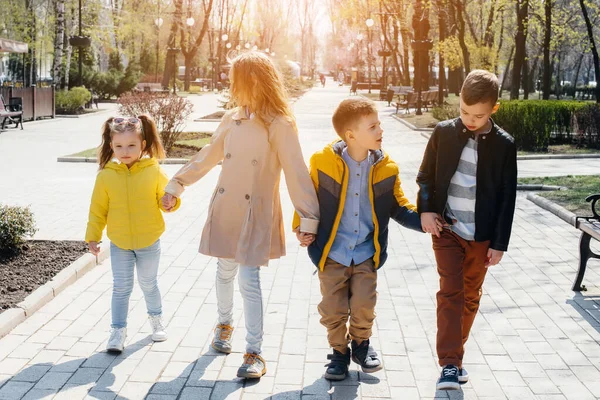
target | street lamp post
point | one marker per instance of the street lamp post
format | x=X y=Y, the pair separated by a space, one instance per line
x=369 y=22
x=158 y=22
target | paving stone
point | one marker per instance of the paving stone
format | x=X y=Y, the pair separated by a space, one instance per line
x=194 y=393
x=14 y=390
x=53 y=380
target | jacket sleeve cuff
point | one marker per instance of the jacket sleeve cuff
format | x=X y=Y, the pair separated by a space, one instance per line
x=174 y=188
x=498 y=246
x=308 y=225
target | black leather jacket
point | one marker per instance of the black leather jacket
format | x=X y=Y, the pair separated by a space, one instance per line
x=496 y=178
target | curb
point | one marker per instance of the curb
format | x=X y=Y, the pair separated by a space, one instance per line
x=206 y=120
x=411 y=126
x=554 y=208
x=557 y=156
x=539 y=187
x=10 y=318
x=95 y=160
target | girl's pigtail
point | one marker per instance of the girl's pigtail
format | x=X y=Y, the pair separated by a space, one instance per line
x=105 y=152
x=154 y=147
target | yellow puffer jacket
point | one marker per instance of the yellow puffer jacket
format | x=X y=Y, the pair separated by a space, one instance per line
x=128 y=201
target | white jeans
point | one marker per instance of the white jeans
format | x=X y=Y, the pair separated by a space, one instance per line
x=249 y=281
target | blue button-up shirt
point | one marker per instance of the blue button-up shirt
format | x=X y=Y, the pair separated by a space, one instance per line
x=354 y=237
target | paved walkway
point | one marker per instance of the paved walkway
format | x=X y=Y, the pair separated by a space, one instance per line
x=533 y=338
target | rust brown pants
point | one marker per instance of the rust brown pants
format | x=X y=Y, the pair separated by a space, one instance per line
x=460 y=264
x=348 y=292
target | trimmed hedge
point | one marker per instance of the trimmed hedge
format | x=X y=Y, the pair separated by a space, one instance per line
x=72 y=100
x=535 y=124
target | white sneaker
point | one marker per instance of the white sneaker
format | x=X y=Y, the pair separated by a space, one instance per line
x=116 y=342
x=158 y=330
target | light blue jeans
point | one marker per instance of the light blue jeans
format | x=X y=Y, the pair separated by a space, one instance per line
x=249 y=281
x=123 y=262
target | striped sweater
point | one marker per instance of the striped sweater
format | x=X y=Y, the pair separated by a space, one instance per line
x=460 y=207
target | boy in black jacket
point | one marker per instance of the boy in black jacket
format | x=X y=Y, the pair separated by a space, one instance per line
x=467 y=182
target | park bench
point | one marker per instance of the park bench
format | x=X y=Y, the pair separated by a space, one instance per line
x=590 y=228
x=12 y=112
x=408 y=103
x=396 y=90
x=354 y=86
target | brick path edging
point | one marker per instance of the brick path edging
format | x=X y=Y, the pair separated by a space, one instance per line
x=554 y=208
x=10 y=318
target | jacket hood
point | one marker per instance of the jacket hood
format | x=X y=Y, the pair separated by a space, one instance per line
x=140 y=164
x=338 y=146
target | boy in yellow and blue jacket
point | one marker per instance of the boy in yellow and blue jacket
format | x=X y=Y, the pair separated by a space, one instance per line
x=359 y=190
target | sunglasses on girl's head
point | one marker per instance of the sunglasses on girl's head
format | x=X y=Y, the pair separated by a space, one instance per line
x=121 y=124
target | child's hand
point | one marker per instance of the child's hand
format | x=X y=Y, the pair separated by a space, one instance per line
x=94 y=248
x=493 y=257
x=305 y=239
x=168 y=201
x=432 y=223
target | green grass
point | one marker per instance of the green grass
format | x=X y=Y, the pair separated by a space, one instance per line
x=578 y=188
x=85 y=153
x=199 y=143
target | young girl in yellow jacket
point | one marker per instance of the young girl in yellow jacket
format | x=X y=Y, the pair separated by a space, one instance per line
x=126 y=199
x=244 y=228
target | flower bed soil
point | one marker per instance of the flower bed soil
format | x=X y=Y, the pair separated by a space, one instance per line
x=36 y=264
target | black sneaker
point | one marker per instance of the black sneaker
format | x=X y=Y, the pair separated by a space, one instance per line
x=463 y=375
x=364 y=355
x=449 y=378
x=337 y=369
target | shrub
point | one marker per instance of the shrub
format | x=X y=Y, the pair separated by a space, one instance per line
x=16 y=223
x=168 y=112
x=114 y=82
x=535 y=124
x=70 y=101
x=445 y=111
x=105 y=84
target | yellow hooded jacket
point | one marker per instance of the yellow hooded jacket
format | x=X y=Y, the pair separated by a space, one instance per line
x=127 y=200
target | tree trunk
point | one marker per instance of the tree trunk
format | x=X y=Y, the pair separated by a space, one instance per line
x=171 y=58
x=590 y=30
x=520 y=42
x=406 y=48
x=69 y=50
x=579 y=62
x=506 y=70
x=191 y=52
x=58 y=42
x=547 y=36
x=458 y=4
x=525 y=78
x=557 y=82
x=442 y=37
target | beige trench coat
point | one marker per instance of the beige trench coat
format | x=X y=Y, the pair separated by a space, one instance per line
x=244 y=219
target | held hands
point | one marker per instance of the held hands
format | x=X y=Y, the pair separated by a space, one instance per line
x=432 y=223
x=168 y=201
x=94 y=248
x=493 y=257
x=305 y=239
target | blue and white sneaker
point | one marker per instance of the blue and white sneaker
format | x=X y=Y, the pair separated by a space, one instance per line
x=448 y=378
x=463 y=375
